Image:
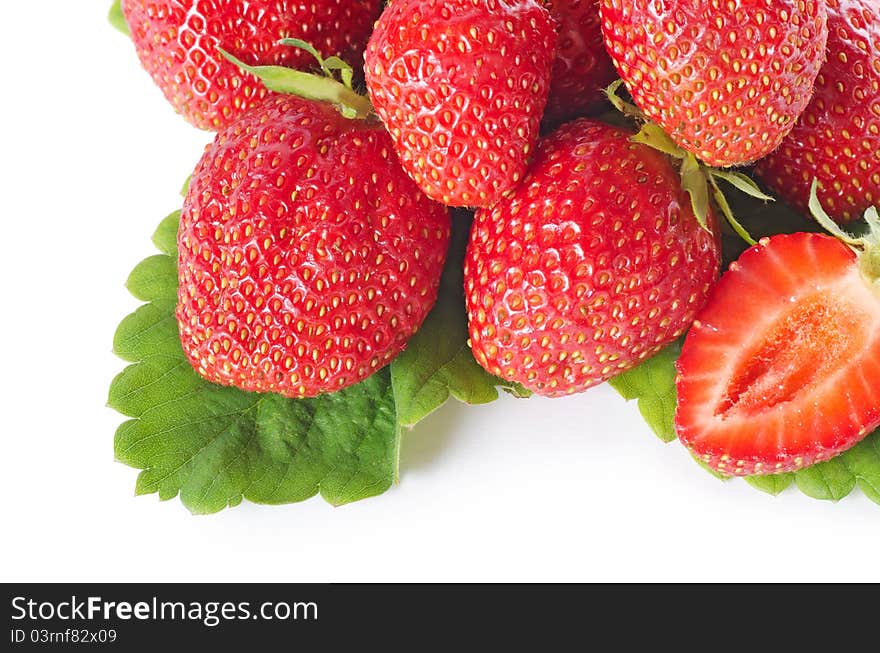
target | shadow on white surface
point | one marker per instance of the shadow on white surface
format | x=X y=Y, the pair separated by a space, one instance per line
x=430 y=440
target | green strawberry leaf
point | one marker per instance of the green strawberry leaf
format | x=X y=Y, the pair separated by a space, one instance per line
x=653 y=384
x=214 y=446
x=437 y=362
x=831 y=480
x=117 y=19
x=863 y=461
x=149 y=280
x=834 y=479
x=772 y=483
x=165 y=236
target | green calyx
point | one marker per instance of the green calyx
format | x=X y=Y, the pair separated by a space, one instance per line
x=321 y=88
x=117 y=18
x=697 y=179
x=866 y=246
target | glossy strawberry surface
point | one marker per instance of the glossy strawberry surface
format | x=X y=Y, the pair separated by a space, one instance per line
x=837 y=138
x=177 y=40
x=593 y=264
x=582 y=68
x=726 y=79
x=782 y=367
x=307 y=256
x=461 y=86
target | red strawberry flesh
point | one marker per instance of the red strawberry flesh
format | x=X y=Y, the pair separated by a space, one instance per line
x=782 y=366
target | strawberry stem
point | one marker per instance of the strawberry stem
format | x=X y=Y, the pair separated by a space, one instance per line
x=321 y=88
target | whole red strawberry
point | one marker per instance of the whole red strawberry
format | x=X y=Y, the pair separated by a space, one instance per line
x=461 y=86
x=782 y=366
x=726 y=80
x=582 y=68
x=595 y=262
x=837 y=138
x=307 y=256
x=176 y=41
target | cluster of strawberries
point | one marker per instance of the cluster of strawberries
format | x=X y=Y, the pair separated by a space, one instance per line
x=316 y=225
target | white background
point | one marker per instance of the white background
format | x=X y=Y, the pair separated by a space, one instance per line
x=570 y=489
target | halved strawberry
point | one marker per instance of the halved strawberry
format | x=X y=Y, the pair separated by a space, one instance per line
x=781 y=369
